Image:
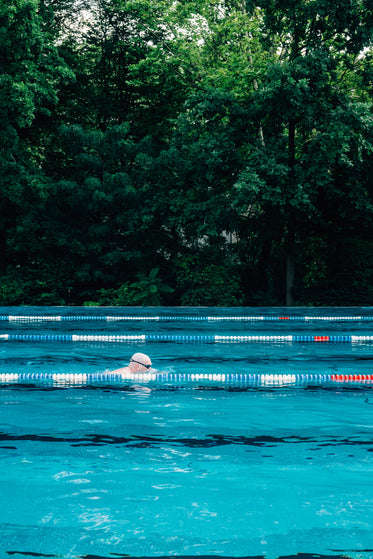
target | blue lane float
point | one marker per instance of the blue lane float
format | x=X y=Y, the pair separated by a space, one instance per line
x=123 y=338
x=98 y=318
x=223 y=379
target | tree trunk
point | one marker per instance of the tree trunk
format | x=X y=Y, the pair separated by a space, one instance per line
x=290 y=257
x=290 y=274
x=3 y=248
x=255 y=81
x=5 y=220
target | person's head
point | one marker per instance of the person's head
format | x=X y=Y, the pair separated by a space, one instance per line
x=140 y=363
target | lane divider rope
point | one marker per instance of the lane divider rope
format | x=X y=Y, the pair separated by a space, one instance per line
x=77 y=318
x=179 y=338
x=230 y=378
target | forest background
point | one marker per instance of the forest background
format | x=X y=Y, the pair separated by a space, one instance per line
x=186 y=152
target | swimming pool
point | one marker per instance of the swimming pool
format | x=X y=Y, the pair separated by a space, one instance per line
x=190 y=466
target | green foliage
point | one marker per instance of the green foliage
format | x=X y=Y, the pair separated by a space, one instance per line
x=205 y=156
x=150 y=288
x=12 y=291
x=203 y=283
x=337 y=274
x=184 y=151
x=16 y=289
x=122 y=297
x=30 y=71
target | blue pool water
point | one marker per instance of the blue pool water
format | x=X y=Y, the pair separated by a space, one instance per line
x=118 y=469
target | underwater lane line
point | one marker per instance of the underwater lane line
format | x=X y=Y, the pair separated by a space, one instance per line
x=112 y=318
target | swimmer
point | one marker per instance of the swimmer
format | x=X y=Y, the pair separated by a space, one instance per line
x=139 y=363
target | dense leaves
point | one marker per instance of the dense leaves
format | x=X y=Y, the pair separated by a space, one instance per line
x=188 y=152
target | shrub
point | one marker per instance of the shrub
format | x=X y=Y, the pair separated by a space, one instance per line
x=208 y=284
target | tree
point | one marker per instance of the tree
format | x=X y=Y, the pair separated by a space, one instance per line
x=29 y=71
x=102 y=219
x=118 y=51
x=311 y=122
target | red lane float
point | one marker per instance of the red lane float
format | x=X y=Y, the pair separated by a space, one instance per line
x=351 y=378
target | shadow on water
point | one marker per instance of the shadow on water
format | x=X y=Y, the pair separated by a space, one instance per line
x=209 y=441
x=174 y=387
x=126 y=556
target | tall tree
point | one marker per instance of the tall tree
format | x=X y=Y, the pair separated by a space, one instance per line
x=29 y=71
x=310 y=121
x=318 y=43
